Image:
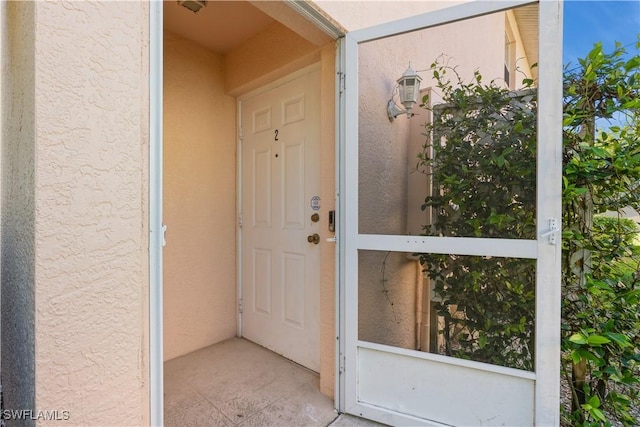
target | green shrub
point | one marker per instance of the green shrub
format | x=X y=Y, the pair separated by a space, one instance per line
x=480 y=154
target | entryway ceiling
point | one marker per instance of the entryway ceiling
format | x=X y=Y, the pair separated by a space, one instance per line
x=220 y=26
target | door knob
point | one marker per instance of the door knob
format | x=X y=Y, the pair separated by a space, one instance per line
x=314 y=238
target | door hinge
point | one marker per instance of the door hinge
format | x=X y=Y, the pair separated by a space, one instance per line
x=240 y=221
x=342 y=85
x=240 y=308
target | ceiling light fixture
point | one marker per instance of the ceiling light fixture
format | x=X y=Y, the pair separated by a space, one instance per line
x=193 y=5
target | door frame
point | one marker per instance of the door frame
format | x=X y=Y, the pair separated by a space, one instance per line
x=156 y=232
x=156 y=228
x=547 y=320
x=239 y=184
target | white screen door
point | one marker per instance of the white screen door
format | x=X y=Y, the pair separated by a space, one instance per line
x=411 y=351
x=280 y=184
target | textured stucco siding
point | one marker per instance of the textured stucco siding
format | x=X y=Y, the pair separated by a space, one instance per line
x=271 y=54
x=75 y=254
x=199 y=199
x=356 y=14
x=18 y=207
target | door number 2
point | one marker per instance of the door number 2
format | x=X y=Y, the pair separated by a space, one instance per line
x=276 y=137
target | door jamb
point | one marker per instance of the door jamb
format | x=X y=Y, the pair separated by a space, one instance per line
x=340 y=143
x=156 y=385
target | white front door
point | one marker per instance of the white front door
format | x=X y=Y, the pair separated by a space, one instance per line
x=280 y=135
x=395 y=383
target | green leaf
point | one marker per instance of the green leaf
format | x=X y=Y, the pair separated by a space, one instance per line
x=577 y=339
x=567 y=121
x=575 y=357
x=482 y=340
x=618 y=338
x=583 y=354
x=597 y=340
x=598 y=414
x=600 y=152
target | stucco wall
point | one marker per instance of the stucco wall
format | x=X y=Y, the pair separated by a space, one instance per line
x=75 y=212
x=274 y=53
x=18 y=207
x=356 y=14
x=200 y=304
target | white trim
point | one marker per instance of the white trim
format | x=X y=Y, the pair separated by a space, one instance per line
x=548 y=277
x=239 y=219
x=339 y=220
x=309 y=11
x=510 y=248
x=480 y=366
x=349 y=217
x=156 y=381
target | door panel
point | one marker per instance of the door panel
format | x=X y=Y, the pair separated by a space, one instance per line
x=294 y=174
x=502 y=399
x=387 y=376
x=280 y=175
x=262 y=188
x=262 y=284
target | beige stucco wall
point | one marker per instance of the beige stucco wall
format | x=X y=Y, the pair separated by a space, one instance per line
x=74 y=210
x=356 y=14
x=199 y=199
x=272 y=54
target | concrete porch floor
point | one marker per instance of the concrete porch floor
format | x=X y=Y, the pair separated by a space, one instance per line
x=237 y=382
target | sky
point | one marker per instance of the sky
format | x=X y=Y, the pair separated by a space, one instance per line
x=587 y=22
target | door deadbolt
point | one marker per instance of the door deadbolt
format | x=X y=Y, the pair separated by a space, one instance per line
x=315 y=217
x=314 y=238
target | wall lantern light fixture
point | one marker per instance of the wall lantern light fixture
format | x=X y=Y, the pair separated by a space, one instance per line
x=408 y=91
x=193 y=5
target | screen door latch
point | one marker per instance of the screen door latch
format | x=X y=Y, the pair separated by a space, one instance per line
x=552 y=234
x=164 y=234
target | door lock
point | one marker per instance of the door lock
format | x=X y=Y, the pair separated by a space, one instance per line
x=314 y=238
